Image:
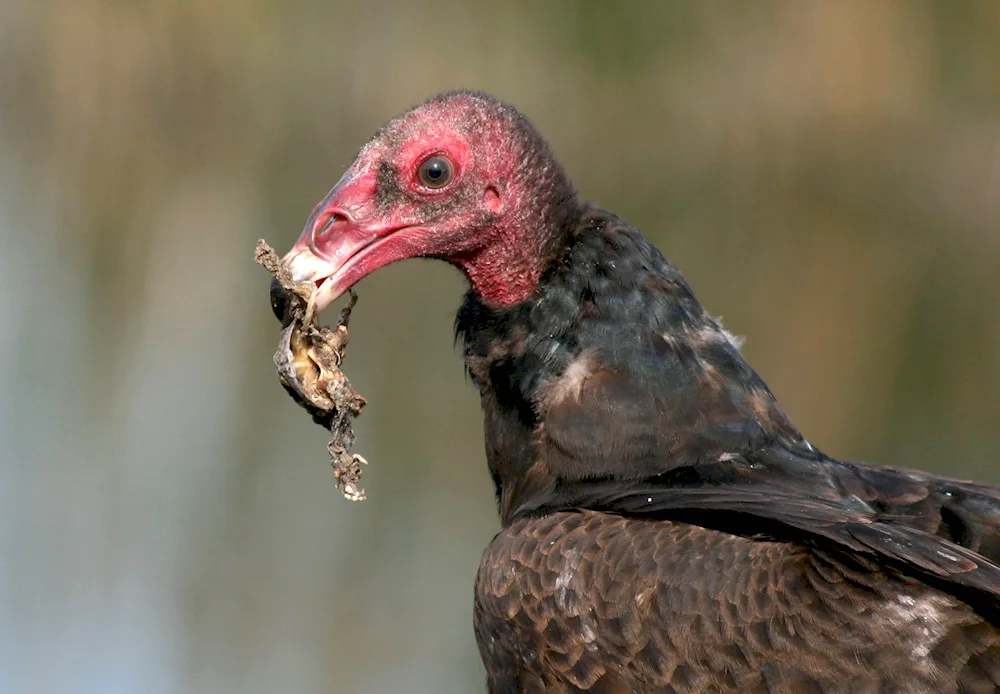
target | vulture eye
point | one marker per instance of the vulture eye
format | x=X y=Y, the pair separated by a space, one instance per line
x=435 y=172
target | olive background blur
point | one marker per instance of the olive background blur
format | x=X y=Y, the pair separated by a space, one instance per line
x=827 y=175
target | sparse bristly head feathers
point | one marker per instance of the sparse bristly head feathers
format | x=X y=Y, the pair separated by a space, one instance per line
x=462 y=177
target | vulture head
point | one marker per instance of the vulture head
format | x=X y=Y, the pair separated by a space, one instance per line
x=463 y=178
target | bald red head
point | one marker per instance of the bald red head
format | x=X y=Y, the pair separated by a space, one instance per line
x=462 y=177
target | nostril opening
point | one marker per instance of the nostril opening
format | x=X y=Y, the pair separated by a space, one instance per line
x=330 y=224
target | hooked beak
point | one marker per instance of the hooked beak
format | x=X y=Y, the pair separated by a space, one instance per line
x=333 y=274
x=338 y=246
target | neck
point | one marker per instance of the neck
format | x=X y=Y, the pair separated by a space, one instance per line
x=508 y=268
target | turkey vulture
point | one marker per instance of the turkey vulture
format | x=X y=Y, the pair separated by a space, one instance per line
x=666 y=528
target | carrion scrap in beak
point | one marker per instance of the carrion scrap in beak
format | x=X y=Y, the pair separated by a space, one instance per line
x=308 y=362
x=306 y=267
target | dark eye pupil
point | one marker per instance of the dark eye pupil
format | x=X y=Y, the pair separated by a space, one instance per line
x=435 y=172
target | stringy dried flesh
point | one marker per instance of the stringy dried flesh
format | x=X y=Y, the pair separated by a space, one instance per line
x=308 y=361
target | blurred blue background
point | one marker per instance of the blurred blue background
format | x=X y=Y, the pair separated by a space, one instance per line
x=826 y=174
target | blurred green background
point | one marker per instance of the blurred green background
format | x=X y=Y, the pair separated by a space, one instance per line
x=827 y=174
